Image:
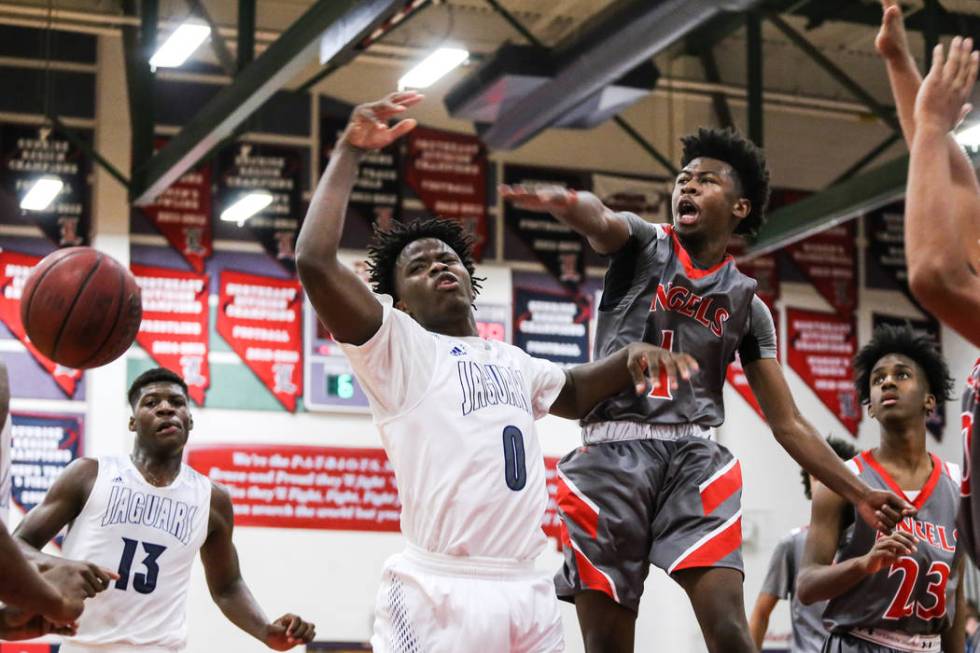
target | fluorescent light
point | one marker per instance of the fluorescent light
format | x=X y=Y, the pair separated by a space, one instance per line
x=41 y=194
x=430 y=69
x=247 y=206
x=180 y=45
x=970 y=136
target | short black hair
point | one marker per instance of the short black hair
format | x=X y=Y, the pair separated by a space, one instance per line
x=155 y=375
x=746 y=159
x=844 y=450
x=387 y=244
x=888 y=339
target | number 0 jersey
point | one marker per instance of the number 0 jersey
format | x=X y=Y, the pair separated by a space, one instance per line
x=917 y=594
x=150 y=536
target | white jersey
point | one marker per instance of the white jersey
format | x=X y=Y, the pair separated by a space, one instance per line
x=456 y=416
x=5 y=479
x=150 y=536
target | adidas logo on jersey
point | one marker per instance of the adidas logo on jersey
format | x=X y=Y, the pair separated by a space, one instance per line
x=118 y=479
x=457 y=351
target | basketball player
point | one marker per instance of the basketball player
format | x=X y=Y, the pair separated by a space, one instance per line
x=780 y=583
x=147 y=515
x=651 y=485
x=456 y=416
x=898 y=591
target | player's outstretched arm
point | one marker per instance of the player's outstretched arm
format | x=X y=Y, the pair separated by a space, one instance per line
x=879 y=508
x=585 y=213
x=638 y=365
x=342 y=301
x=229 y=590
x=954 y=637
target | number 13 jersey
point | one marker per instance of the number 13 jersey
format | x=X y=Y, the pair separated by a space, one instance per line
x=917 y=594
x=150 y=536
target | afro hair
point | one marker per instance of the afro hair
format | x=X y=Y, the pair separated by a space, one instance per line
x=888 y=339
x=746 y=159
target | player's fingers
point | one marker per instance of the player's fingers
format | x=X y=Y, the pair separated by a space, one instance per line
x=952 y=63
x=937 y=60
x=683 y=363
x=670 y=367
x=691 y=362
x=403 y=127
x=636 y=365
x=103 y=574
x=962 y=69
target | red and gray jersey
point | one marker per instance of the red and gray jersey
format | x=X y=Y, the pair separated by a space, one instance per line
x=653 y=292
x=916 y=595
x=970 y=508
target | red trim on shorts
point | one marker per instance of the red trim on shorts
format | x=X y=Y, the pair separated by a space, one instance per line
x=930 y=484
x=573 y=507
x=591 y=577
x=690 y=270
x=715 y=549
x=721 y=488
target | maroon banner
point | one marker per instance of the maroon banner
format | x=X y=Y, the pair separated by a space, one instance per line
x=821 y=348
x=259 y=317
x=182 y=213
x=829 y=261
x=14 y=270
x=448 y=171
x=174 y=331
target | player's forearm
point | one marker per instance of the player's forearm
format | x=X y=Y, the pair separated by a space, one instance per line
x=240 y=607
x=319 y=237
x=758 y=625
x=589 y=217
x=586 y=385
x=824 y=582
x=802 y=442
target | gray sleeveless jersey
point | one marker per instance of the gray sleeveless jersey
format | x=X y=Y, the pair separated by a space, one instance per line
x=917 y=594
x=653 y=292
x=970 y=509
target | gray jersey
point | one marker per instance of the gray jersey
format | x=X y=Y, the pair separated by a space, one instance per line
x=970 y=506
x=784 y=567
x=653 y=292
x=917 y=594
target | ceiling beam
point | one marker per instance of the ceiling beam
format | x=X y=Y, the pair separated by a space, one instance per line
x=333 y=27
x=946 y=22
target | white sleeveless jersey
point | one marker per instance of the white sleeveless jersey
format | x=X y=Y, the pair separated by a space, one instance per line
x=5 y=479
x=456 y=417
x=150 y=536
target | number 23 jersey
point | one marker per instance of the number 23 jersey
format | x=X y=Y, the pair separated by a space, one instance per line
x=150 y=536
x=917 y=594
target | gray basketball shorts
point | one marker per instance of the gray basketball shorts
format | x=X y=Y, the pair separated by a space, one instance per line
x=845 y=643
x=624 y=505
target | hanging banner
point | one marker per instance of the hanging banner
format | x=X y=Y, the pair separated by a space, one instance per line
x=174 y=331
x=377 y=195
x=829 y=261
x=936 y=422
x=14 y=270
x=551 y=325
x=821 y=349
x=182 y=213
x=260 y=318
x=886 y=267
x=245 y=168
x=647 y=198
x=41 y=447
x=554 y=244
x=448 y=172
x=32 y=152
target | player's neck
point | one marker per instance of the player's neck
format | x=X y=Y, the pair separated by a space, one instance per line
x=704 y=251
x=157 y=470
x=903 y=447
x=459 y=328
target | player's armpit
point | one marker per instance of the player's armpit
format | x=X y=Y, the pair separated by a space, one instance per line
x=62 y=503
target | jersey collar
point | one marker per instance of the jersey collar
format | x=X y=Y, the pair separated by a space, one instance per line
x=691 y=270
x=930 y=484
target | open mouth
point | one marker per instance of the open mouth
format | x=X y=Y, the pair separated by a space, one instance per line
x=447 y=282
x=687 y=211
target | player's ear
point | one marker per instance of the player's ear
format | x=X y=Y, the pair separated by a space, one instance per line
x=742 y=208
x=190 y=424
x=871 y=410
x=930 y=403
x=132 y=423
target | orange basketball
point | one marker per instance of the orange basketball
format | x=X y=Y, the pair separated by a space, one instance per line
x=81 y=308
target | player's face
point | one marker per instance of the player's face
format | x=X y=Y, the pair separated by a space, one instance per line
x=899 y=389
x=706 y=201
x=162 y=417
x=433 y=284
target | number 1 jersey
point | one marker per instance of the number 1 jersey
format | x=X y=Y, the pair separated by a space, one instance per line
x=150 y=536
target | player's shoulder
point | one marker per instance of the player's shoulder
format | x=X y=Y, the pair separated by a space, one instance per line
x=856 y=464
x=952 y=471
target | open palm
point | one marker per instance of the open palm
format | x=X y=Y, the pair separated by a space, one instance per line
x=368 y=127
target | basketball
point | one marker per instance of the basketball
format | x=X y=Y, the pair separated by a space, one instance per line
x=80 y=307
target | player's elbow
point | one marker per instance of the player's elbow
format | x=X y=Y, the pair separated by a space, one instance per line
x=805 y=589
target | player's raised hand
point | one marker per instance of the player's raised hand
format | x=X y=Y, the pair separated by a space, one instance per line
x=892 y=41
x=943 y=99
x=883 y=510
x=646 y=362
x=545 y=199
x=287 y=631
x=887 y=549
x=368 y=125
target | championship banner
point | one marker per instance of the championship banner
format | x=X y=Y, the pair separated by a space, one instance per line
x=32 y=152
x=555 y=245
x=182 y=213
x=14 y=270
x=377 y=194
x=936 y=422
x=551 y=325
x=821 y=348
x=248 y=167
x=648 y=198
x=41 y=447
x=829 y=261
x=174 y=331
x=448 y=172
x=886 y=250
x=260 y=318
